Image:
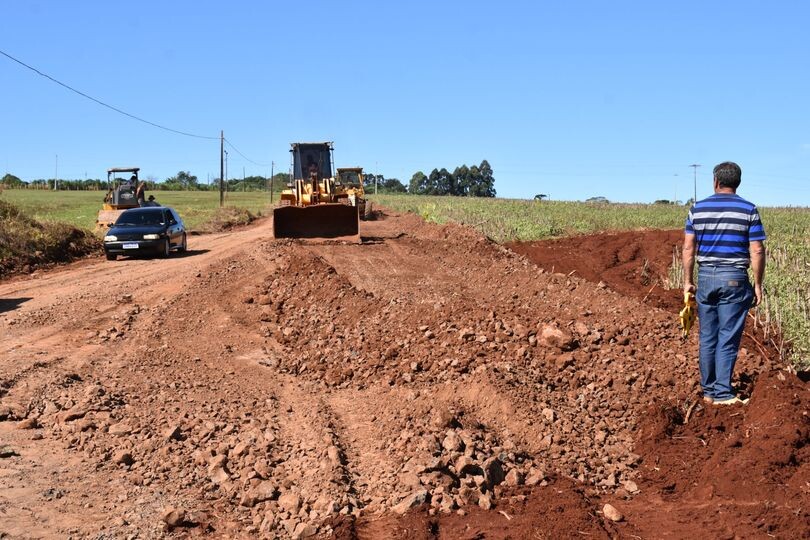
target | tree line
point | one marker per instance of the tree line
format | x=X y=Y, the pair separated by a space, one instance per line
x=475 y=181
x=182 y=181
x=464 y=181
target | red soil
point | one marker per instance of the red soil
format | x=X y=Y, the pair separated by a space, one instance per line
x=279 y=389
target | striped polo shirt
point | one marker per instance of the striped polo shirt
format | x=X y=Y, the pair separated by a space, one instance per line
x=723 y=225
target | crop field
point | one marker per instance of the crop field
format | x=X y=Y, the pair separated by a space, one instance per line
x=787 y=277
x=81 y=207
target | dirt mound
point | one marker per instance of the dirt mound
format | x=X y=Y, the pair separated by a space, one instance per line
x=633 y=263
x=426 y=384
x=225 y=219
x=27 y=244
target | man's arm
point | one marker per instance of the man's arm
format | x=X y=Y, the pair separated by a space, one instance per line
x=689 y=244
x=757 y=249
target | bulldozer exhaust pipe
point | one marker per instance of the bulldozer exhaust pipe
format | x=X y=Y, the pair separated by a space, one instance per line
x=333 y=221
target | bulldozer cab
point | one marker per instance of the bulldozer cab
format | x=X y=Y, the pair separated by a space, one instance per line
x=350 y=176
x=312 y=158
x=122 y=185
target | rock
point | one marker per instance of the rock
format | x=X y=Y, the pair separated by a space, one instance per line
x=264 y=491
x=28 y=423
x=552 y=336
x=534 y=477
x=173 y=517
x=220 y=460
x=240 y=449
x=548 y=414
x=174 y=433
x=630 y=486
x=248 y=499
x=291 y=502
x=452 y=442
x=514 y=478
x=442 y=418
x=304 y=530
x=468 y=495
x=71 y=414
x=485 y=501
x=218 y=475
x=581 y=328
x=7 y=452
x=465 y=466
x=333 y=453
x=611 y=513
x=414 y=499
x=119 y=430
x=122 y=457
x=564 y=360
x=493 y=472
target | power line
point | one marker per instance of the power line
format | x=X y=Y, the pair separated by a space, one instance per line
x=244 y=156
x=91 y=98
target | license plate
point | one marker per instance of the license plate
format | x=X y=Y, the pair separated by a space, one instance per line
x=130 y=246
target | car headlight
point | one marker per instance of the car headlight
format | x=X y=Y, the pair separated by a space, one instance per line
x=151 y=237
x=110 y=238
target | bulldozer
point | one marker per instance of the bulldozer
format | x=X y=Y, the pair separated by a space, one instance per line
x=316 y=204
x=120 y=195
x=352 y=179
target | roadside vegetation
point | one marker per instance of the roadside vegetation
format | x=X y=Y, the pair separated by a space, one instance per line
x=787 y=281
x=199 y=209
x=26 y=243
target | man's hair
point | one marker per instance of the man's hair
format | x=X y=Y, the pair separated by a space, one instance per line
x=728 y=174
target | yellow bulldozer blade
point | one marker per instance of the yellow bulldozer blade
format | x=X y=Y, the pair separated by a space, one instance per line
x=319 y=221
x=107 y=217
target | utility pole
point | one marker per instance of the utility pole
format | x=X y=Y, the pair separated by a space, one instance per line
x=675 y=201
x=221 y=167
x=695 y=166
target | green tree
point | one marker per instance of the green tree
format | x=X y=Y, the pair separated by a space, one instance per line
x=432 y=187
x=183 y=180
x=418 y=183
x=484 y=184
x=393 y=185
x=462 y=180
x=11 y=181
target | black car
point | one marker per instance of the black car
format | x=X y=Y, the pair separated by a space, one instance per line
x=155 y=230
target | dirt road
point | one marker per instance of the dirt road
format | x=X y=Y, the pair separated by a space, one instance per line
x=425 y=384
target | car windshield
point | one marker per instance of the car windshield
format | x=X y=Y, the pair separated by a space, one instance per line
x=140 y=218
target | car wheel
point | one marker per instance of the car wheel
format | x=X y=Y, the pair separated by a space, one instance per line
x=111 y=256
x=183 y=245
x=166 y=249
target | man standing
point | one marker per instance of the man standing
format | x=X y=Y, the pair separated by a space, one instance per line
x=726 y=234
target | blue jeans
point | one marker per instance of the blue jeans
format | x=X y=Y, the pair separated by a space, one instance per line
x=723 y=297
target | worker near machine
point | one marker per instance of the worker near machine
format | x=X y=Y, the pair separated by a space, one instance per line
x=725 y=235
x=140 y=194
x=151 y=201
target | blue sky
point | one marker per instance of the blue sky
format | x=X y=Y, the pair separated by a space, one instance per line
x=571 y=99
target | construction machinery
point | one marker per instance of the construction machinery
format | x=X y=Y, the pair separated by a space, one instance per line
x=122 y=184
x=316 y=204
x=351 y=179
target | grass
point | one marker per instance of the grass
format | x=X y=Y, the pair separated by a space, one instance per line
x=197 y=208
x=787 y=277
